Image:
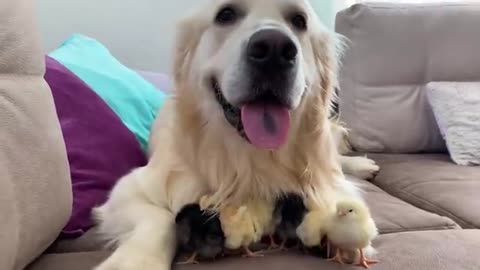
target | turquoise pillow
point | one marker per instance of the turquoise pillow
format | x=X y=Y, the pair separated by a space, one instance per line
x=129 y=95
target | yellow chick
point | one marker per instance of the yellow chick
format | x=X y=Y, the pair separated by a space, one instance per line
x=351 y=228
x=244 y=225
x=312 y=229
x=239 y=229
x=261 y=212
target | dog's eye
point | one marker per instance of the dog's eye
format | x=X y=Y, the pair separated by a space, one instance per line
x=226 y=16
x=299 y=21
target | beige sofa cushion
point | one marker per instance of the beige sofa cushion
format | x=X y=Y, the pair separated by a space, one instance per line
x=394 y=215
x=431 y=250
x=391 y=215
x=394 y=50
x=434 y=183
x=88 y=242
x=35 y=192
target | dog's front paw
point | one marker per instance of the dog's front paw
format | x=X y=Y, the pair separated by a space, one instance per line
x=124 y=261
x=360 y=167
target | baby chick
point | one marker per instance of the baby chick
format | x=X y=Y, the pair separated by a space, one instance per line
x=239 y=228
x=288 y=215
x=312 y=229
x=199 y=232
x=244 y=225
x=261 y=212
x=351 y=228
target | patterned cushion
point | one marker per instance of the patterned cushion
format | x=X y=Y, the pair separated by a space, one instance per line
x=456 y=106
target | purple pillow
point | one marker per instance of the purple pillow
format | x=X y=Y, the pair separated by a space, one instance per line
x=100 y=148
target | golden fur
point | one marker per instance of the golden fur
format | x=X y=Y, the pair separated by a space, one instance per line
x=194 y=151
x=232 y=168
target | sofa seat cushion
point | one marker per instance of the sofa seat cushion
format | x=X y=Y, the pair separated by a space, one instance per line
x=391 y=214
x=90 y=241
x=70 y=261
x=394 y=215
x=429 y=250
x=434 y=183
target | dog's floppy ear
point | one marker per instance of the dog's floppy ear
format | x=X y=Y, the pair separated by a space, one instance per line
x=189 y=32
x=327 y=48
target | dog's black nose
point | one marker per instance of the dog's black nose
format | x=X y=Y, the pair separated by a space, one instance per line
x=272 y=49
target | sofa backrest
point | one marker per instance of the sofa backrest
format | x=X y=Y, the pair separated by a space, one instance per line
x=35 y=189
x=393 y=50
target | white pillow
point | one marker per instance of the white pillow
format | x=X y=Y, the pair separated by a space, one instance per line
x=456 y=106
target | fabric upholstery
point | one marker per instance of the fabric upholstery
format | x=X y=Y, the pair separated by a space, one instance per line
x=88 y=242
x=393 y=50
x=434 y=183
x=100 y=148
x=431 y=250
x=35 y=190
x=391 y=215
x=394 y=215
x=456 y=106
x=70 y=261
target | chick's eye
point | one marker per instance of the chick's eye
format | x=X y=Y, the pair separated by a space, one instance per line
x=226 y=16
x=350 y=211
x=299 y=21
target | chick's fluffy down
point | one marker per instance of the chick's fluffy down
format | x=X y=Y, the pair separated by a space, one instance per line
x=238 y=227
x=313 y=227
x=261 y=212
x=355 y=229
x=311 y=230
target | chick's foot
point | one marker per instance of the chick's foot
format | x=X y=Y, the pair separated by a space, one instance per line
x=338 y=257
x=283 y=246
x=329 y=246
x=191 y=260
x=365 y=262
x=273 y=243
x=251 y=254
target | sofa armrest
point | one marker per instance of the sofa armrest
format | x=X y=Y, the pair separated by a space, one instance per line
x=35 y=189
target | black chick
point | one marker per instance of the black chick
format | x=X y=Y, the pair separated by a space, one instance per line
x=199 y=233
x=288 y=214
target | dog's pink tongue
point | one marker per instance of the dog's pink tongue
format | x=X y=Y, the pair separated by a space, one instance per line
x=266 y=125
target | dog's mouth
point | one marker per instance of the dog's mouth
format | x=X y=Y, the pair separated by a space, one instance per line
x=263 y=122
x=232 y=114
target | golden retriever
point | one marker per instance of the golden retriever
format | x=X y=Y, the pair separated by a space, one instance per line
x=250 y=118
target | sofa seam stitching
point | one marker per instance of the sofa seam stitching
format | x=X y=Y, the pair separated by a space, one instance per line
x=440 y=209
x=423 y=228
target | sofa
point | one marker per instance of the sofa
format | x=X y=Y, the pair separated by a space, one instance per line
x=426 y=207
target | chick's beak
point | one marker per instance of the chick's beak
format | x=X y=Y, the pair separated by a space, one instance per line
x=341 y=213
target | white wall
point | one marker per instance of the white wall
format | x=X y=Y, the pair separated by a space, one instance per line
x=138 y=32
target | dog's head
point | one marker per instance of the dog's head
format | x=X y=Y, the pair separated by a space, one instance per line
x=260 y=66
